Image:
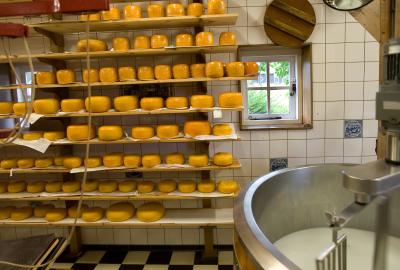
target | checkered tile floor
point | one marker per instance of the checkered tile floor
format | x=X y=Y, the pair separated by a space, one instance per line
x=163 y=259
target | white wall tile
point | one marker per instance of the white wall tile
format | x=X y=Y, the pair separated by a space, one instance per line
x=354 y=72
x=335 y=91
x=353 y=110
x=318 y=73
x=354 y=32
x=370 y=128
x=318 y=35
x=319 y=110
x=334 y=129
x=370 y=89
x=256 y=16
x=296 y=162
x=334 y=110
x=369 y=145
x=259 y=167
x=318 y=53
x=333 y=147
x=335 y=53
x=352 y=147
x=354 y=52
x=319 y=91
x=318 y=130
x=372 y=51
x=371 y=71
x=369 y=109
x=334 y=16
x=315 y=148
x=297 y=148
x=354 y=90
x=278 y=148
x=334 y=72
x=259 y=149
x=336 y=32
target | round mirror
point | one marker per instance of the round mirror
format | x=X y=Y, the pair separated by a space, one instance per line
x=347 y=4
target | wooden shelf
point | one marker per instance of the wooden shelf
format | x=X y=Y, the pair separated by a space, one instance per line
x=62 y=27
x=137 y=82
x=235 y=165
x=129 y=113
x=173 y=218
x=48 y=57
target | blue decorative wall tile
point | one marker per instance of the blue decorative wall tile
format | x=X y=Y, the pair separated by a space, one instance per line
x=353 y=128
x=276 y=164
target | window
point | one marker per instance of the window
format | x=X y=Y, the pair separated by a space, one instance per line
x=275 y=99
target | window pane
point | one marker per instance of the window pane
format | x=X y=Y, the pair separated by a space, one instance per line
x=257 y=101
x=262 y=76
x=279 y=73
x=280 y=101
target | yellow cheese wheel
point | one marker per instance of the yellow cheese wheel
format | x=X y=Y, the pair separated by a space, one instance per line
x=127 y=186
x=22 y=213
x=223 y=159
x=204 y=39
x=214 y=69
x=36 y=187
x=20 y=108
x=73 y=211
x=120 y=44
x=132 y=12
x=198 y=160
x=45 y=77
x=40 y=211
x=93 y=162
x=65 y=76
x=126 y=103
x=16 y=186
x=250 y=68
x=206 y=186
x=230 y=100
x=46 y=106
x=167 y=131
x=222 y=130
x=181 y=71
x=126 y=74
x=184 y=40
x=155 y=10
x=72 y=162
x=58 y=161
x=80 y=132
x=175 y=10
x=90 y=17
x=142 y=133
x=177 y=103
x=113 y=160
x=150 y=212
x=195 y=9
x=227 y=38
x=108 y=186
x=3 y=186
x=71 y=186
x=92 y=214
x=141 y=42
x=110 y=133
x=197 y=128
x=202 y=101
x=110 y=15
x=90 y=185
x=108 y=75
x=54 y=135
x=145 y=73
x=5 y=212
x=162 y=72
x=132 y=161
x=72 y=105
x=158 y=41
x=43 y=162
x=53 y=186
x=26 y=163
x=32 y=135
x=94 y=45
x=166 y=186
x=151 y=160
x=98 y=104
x=92 y=74
x=198 y=70
x=216 y=7
x=175 y=159
x=227 y=186
x=151 y=103
x=8 y=163
x=235 y=69
x=119 y=212
x=187 y=186
x=6 y=107
x=56 y=214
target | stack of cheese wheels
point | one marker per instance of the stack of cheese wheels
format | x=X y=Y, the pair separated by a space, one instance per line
x=150 y=212
x=3 y=186
x=145 y=186
x=163 y=72
x=72 y=162
x=142 y=132
x=151 y=160
x=206 y=186
x=119 y=212
x=43 y=162
x=132 y=161
x=176 y=103
x=222 y=130
x=108 y=186
x=198 y=70
x=90 y=17
x=195 y=9
x=21 y=108
x=181 y=71
x=16 y=186
x=198 y=160
x=120 y=44
x=227 y=186
x=56 y=214
x=98 y=104
x=32 y=135
x=227 y=38
x=108 y=75
x=65 y=76
x=54 y=135
x=175 y=159
x=223 y=159
x=197 y=128
x=46 y=106
x=110 y=133
x=141 y=42
x=187 y=186
x=127 y=186
x=158 y=41
x=204 y=39
x=93 y=45
x=151 y=103
x=201 y=101
x=214 y=69
x=73 y=210
x=112 y=14
x=92 y=75
x=126 y=74
x=250 y=68
x=235 y=69
x=92 y=214
x=26 y=163
x=155 y=10
x=113 y=160
x=35 y=187
x=126 y=103
x=184 y=40
x=167 y=131
x=230 y=100
x=53 y=186
x=132 y=12
x=80 y=132
x=145 y=73
x=6 y=107
x=45 y=77
x=90 y=185
x=5 y=212
x=8 y=163
x=18 y=214
x=175 y=10
x=216 y=7
x=166 y=186
x=41 y=210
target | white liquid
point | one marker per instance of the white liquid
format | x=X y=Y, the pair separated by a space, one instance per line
x=303 y=247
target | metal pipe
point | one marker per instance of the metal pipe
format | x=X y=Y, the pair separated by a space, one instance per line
x=382 y=227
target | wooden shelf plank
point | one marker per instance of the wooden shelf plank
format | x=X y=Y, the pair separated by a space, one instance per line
x=113 y=54
x=129 y=113
x=61 y=27
x=236 y=164
x=136 y=82
x=173 y=218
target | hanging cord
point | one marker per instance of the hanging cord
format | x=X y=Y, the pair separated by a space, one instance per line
x=84 y=178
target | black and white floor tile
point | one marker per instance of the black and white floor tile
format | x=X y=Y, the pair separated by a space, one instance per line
x=151 y=259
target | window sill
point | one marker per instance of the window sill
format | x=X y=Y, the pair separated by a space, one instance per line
x=277 y=127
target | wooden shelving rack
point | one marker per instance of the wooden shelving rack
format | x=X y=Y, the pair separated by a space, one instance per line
x=206 y=217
